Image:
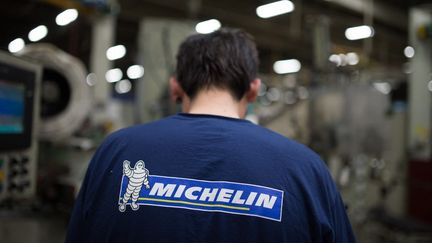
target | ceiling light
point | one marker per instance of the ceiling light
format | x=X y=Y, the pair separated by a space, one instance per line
x=114 y=75
x=274 y=9
x=38 y=33
x=123 y=86
x=336 y=59
x=116 y=52
x=66 y=17
x=135 y=71
x=409 y=52
x=382 y=87
x=352 y=58
x=16 y=45
x=287 y=66
x=91 y=79
x=208 y=26
x=359 y=32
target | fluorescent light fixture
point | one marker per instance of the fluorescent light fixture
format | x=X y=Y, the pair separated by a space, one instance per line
x=359 y=32
x=114 y=75
x=382 y=87
x=116 y=52
x=409 y=52
x=336 y=59
x=287 y=66
x=123 y=86
x=38 y=33
x=16 y=45
x=91 y=79
x=430 y=86
x=66 y=17
x=135 y=71
x=274 y=9
x=352 y=58
x=208 y=26
x=344 y=59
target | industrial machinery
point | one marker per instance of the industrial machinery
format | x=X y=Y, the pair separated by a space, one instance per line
x=19 y=108
x=65 y=102
x=65 y=98
x=39 y=105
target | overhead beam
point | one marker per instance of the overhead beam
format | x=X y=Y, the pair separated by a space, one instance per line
x=274 y=34
x=383 y=12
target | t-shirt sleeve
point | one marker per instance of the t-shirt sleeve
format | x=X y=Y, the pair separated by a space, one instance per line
x=341 y=227
x=77 y=228
x=77 y=224
x=336 y=225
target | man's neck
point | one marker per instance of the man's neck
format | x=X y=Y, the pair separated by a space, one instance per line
x=217 y=102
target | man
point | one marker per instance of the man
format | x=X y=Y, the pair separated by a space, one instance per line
x=207 y=175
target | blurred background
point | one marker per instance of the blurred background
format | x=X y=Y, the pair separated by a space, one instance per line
x=352 y=79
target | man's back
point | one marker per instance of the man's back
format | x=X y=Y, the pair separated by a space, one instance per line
x=207 y=179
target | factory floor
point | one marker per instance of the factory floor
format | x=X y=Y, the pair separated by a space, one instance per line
x=17 y=228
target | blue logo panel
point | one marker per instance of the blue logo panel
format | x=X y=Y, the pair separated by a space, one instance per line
x=212 y=196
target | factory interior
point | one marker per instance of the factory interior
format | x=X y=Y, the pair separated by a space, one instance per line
x=351 y=79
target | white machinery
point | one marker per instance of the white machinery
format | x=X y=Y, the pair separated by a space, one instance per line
x=65 y=97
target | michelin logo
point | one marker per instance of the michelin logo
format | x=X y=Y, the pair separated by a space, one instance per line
x=211 y=196
x=137 y=178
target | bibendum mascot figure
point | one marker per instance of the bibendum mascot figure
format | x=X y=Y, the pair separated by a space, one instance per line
x=138 y=176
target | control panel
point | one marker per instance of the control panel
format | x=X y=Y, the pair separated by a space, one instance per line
x=19 y=116
x=17 y=175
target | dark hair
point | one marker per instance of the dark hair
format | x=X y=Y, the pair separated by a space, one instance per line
x=226 y=59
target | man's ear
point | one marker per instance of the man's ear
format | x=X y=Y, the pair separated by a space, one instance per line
x=176 y=92
x=253 y=91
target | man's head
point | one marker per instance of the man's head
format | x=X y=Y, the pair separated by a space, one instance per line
x=226 y=60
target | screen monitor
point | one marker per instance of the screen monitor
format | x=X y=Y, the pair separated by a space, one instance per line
x=18 y=80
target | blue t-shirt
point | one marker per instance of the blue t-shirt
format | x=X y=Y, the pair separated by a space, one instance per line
x=205 y=178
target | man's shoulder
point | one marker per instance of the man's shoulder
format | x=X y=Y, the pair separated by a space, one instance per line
x=246 y=134
x=284 y=143
x=138 y=129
